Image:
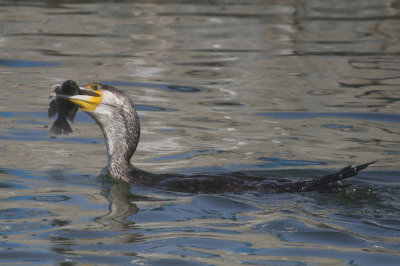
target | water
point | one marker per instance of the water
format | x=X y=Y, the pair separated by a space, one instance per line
x=280 y=89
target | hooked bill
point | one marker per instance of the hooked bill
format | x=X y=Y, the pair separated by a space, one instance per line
x=64 y=108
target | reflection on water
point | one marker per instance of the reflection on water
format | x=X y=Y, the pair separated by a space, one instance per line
x=280 y=89
x=71 y=223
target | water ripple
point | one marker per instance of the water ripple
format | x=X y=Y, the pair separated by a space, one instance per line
x=26 y=63
x=173 y=88
x=381 y=117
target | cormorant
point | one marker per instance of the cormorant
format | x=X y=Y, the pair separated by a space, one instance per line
x=116 y=115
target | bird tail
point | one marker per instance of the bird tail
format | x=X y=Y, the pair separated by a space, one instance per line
x=60 y=126
x=324 y=183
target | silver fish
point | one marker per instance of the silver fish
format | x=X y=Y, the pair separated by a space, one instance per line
x=64 y=108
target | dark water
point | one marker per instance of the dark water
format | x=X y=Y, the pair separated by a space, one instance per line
x=280 y=89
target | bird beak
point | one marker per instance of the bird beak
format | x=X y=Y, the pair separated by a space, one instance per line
x=87 y=100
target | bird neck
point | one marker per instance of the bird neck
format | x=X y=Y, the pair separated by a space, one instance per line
x=121 y=130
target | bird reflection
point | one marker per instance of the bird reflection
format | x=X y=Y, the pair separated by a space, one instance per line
x=121 y=205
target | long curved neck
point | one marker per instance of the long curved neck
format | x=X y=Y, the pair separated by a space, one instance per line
x=121 y=130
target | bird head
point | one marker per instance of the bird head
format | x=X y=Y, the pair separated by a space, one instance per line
x=105 y=104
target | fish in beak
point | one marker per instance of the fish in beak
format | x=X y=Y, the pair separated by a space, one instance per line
x=88 y=99
x=66 y=110
x=66 y=99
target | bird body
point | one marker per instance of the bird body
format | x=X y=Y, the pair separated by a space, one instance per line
x=116 y=115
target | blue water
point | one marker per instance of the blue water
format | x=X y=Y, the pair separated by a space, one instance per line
x=381 y=117
x=279 y=90
x=26 y=63
x=205 y=227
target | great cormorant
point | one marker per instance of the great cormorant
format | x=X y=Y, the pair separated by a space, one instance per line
x=116 y=115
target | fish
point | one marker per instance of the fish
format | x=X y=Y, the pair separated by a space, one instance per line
x=66 y=110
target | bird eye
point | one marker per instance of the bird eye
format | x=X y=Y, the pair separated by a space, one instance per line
x=96 y=87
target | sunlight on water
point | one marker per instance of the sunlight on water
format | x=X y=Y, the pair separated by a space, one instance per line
x=285 y=90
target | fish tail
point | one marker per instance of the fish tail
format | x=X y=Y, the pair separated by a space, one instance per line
x=61 y=126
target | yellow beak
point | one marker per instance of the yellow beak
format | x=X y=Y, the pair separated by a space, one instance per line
x=87 y=101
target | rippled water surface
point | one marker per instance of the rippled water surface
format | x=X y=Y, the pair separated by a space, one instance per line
x=281 y=89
